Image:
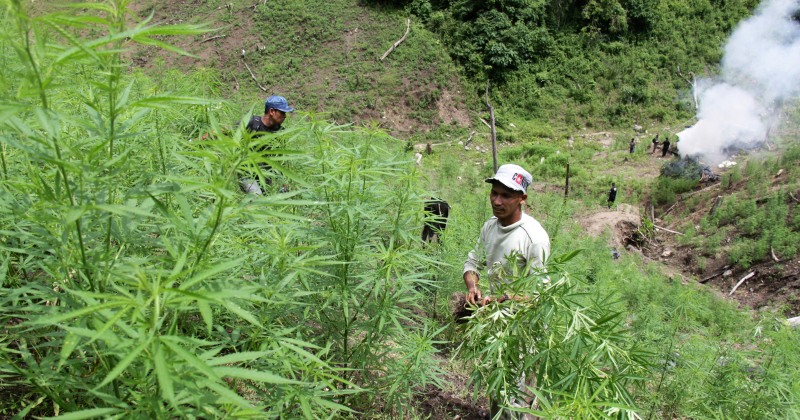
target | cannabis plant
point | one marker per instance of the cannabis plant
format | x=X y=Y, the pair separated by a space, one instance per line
x=551 y=349
x=128 y=289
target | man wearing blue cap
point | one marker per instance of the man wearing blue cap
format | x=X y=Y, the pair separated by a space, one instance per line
x=509 y=237
x=275 y=109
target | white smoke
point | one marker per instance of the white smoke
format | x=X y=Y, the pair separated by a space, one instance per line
x=760 y=72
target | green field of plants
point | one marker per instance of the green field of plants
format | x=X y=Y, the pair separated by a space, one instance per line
x=139 y=282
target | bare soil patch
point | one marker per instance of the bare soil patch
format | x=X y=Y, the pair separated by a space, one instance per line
x=622 y=222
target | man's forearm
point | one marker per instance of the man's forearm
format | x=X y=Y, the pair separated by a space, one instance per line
x=470 y=279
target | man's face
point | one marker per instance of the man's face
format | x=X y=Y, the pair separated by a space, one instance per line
x=275 y=117
x=506 y=203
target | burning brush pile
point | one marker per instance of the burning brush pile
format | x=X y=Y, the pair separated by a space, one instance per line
x=689 y=168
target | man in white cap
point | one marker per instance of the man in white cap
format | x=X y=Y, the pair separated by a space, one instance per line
x=509 y=232
x=509 y=237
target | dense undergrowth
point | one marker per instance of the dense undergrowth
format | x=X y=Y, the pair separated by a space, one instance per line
x=754 y=214
x=138 y=281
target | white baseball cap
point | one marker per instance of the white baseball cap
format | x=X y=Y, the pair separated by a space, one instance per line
x=512 y=176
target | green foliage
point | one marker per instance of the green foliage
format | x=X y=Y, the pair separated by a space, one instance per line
x=594 y=62
x=373 y=284
x=762 y=228
x=491 y=38
x=666 y=189
x=575 y=349
x=138 y=282
x=139 y=279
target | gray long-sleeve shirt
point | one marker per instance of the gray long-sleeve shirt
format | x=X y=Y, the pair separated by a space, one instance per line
x=496 y=243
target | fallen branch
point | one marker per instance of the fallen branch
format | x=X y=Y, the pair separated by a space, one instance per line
x=705 y=280
x=667 y=230
x=793 y=197
x=213 y=38
x=399 y=41
x=485 y=123
x=253 y=76
x=687 y=195
x=740 y=282
x=774 y=257
x=669 y=209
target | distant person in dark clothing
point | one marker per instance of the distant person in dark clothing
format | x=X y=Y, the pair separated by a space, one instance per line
x=275 y=109
x=665 y=147
x=612 y=194
x=436 y=212
x=632 y=145
x=655 y=144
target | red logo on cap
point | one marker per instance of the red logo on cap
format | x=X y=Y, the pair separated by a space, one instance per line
x=520 y=180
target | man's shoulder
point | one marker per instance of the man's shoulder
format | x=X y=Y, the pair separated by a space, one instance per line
x=490 y=223
x=255 y=124
x=534 y=228
x=528 y=220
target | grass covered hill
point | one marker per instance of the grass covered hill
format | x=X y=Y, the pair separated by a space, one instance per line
x=138 y=281
x=323 y=56
x=578 y=65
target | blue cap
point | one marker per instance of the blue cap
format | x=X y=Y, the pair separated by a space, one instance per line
x=277 y=102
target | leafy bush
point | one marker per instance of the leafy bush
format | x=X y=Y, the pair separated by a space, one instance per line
x=666 y=189
x=582 y=364
x=139 y=279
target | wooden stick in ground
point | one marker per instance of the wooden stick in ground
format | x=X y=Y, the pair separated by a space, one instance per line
x=494 y=131
x=774 y=257
x=740 y=282
x=667 y=230
x=399 y=41
x=253 y=76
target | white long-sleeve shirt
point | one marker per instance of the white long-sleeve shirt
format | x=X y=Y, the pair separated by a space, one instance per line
x=526 y=237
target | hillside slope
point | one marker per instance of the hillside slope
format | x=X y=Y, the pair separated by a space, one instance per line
x=323 y=56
